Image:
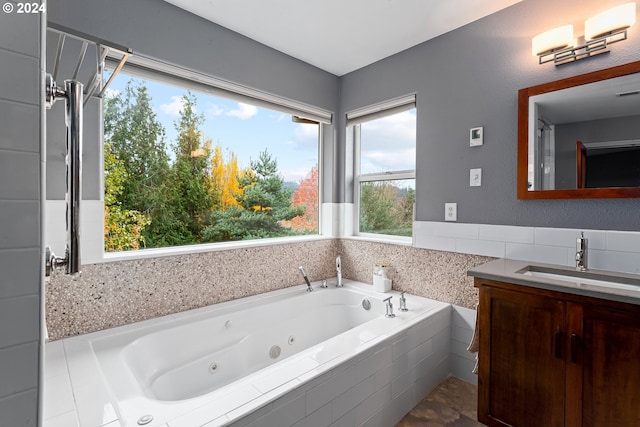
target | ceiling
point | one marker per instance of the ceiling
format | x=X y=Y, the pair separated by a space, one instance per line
x=340 y=36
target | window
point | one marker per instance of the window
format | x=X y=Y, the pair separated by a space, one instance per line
x=182 y=166
x=385 y=145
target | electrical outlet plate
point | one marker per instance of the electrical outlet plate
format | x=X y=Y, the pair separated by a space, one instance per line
x=475 y=137
x=450 y=211
x=475 y=177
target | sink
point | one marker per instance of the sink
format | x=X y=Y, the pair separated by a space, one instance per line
x=586 y=279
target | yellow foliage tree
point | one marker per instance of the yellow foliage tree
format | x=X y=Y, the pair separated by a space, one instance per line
x=224 y=177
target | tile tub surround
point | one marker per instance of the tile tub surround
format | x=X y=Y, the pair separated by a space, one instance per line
x=375 y=387
x=117 y=293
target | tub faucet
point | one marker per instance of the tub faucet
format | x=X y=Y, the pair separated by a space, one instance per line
x=306 y=279
x=581 y=253
x=403 y=303
x=389 y=308
x=339 y=272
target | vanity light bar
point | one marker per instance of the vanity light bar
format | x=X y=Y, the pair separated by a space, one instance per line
x=589 y=48
x=601 y=31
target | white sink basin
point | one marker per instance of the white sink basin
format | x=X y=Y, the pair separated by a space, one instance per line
x=585 y=279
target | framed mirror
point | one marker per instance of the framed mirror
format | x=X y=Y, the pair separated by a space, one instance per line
x=579 y=138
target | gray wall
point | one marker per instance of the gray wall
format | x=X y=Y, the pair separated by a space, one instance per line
x=162 y=31
x=470 y=77
x=20 y=226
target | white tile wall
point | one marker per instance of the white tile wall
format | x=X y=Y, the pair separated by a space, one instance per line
x=463 y=322
x=20 y=204
x=376 y=389
x=607 y=250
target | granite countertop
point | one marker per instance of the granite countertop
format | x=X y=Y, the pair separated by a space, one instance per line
x=626 y=287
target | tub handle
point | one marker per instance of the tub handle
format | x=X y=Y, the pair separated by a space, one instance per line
x=389 y=307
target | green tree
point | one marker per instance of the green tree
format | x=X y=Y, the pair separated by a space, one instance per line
x=377 y=200
x=194 y=196
x=122 y=227
x=264 y=205
x=135 y=136
x=386 y=208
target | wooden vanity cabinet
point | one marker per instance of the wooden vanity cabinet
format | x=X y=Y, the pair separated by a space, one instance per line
x=553 y=359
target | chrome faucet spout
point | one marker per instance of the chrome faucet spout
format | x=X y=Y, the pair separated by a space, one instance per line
x=306 y=279
x=581 y=253
x=339 y=272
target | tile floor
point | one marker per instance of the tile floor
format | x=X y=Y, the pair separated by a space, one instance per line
x=452 y=403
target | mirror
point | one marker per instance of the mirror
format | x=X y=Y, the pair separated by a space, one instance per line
x=580 y=137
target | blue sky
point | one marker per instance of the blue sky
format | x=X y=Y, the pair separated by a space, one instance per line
x=244 y=129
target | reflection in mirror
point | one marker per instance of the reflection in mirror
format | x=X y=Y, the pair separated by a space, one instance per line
x=580 y=137
x=596 y=126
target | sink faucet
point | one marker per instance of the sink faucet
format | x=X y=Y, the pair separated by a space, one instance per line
x=339 y=272
x=581 y=253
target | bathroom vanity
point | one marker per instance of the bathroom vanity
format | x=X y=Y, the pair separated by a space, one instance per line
x=558 y=347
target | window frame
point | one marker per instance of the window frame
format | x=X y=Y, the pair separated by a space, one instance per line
x=354 y=121
x=143 y=68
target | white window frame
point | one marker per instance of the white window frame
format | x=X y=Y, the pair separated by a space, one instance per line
x=145 y=68
x=354 y=120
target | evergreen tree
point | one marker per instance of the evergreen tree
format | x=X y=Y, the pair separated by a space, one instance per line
x=194 y=197
x=135 y=137
x=264 y=205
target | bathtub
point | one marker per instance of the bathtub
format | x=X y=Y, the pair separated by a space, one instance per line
x=244 y=360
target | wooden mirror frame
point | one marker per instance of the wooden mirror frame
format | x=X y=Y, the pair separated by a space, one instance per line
x=523 y=138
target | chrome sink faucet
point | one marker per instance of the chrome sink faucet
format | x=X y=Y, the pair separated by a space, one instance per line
x=339 y=272
x=581 y=253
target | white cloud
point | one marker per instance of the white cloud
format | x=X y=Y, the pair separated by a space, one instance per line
x=389 y=143
x=174 y=107
x=305 y=137
x=214 y=110
x=243 y=112
x=111 y=93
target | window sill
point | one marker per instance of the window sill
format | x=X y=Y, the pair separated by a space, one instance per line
x=381 y=238
x=207 y=247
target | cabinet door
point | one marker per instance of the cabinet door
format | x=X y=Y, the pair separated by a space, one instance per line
x=521 y=379
x=611 y=367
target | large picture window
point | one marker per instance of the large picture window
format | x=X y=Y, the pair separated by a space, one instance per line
x=182 y=167
x=385 y=146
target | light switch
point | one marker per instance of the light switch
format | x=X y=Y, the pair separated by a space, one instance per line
x=450 y=211
x=475 y=177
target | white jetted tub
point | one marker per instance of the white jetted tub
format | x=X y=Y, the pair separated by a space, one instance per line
x=240 y=360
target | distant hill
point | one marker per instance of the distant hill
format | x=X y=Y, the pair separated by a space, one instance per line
x=290 y=185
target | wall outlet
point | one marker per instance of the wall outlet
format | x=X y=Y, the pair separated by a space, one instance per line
x=475 y=177
x=475 y=137
x=450 y=211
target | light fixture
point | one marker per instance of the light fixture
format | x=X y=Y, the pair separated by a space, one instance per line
x=615 y=19
x=601 y=30
x=552 y=40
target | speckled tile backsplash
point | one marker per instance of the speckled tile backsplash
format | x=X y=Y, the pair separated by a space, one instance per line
x=432 y=274
x=117 y=293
